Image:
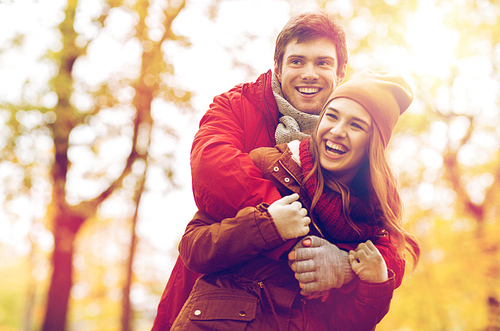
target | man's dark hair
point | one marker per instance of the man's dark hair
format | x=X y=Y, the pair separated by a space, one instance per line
x=309 y=26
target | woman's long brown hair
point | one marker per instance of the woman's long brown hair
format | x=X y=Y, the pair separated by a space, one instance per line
x=378 y=182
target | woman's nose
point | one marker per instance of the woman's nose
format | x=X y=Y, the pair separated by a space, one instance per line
x=338 y=130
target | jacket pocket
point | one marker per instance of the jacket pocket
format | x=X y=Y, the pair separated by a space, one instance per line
x=222 y=312
x=219 y=311
x=237 y=309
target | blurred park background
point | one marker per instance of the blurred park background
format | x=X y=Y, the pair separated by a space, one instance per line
x=99 y=103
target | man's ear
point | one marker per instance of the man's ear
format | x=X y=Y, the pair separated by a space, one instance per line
x=277 y=71
x=341 y=76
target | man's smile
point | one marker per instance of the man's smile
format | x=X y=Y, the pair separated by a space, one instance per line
x=308 y=90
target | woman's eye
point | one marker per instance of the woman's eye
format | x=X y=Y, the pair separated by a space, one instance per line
x=357 y=126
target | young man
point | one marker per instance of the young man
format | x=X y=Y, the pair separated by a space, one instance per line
x=310 y=62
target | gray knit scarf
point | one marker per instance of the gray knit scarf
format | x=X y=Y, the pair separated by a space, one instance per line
x=294 y=124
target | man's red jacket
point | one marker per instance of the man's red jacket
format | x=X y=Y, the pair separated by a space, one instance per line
x=225 y=180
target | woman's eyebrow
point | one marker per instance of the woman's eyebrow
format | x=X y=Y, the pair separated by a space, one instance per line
x=334 y=110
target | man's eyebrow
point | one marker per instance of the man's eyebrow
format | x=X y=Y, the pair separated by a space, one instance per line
x=296 y=55
x=331 y=58
x=326 y=57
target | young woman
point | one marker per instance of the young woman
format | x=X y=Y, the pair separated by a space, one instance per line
x=342 y=176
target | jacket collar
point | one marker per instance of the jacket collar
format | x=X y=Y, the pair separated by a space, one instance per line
x=260 y=94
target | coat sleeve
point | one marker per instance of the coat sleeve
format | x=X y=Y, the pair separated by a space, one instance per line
x=362 y=309
x=210 y=246
x=225 y=180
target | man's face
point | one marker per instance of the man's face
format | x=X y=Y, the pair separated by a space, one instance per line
x=309 y=74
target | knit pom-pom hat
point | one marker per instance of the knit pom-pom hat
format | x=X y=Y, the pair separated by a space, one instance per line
x=384 y=96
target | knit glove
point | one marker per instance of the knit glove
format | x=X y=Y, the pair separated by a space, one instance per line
x=367 y=262
x=320 y=267
x=290 y=218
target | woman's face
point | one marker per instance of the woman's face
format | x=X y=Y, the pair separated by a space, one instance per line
x=342 y=137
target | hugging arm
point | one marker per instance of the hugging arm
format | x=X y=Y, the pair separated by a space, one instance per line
x=225 y=180
x=209 y=246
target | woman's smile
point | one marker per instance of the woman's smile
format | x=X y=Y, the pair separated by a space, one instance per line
x=335 y=149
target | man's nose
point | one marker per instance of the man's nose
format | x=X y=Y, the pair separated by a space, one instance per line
x=310 y=72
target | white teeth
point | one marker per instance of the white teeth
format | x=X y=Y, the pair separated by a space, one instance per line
x=339 y=149
x=308 y=90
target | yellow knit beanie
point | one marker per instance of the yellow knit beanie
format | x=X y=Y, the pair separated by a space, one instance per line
x=384 y=96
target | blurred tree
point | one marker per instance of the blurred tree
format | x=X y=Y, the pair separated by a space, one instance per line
x=89 y=116
x=471 y=158
x=153 y=67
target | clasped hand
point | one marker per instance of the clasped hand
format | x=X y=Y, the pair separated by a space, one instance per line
x=368 y=263
x=319 y=266
x=290 y=218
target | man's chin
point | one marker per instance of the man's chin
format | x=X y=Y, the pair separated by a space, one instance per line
x=311 y=106
x=313 y=110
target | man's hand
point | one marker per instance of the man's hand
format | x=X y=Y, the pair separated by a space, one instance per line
x=290 y=218
x=368 y=263
x=319 y=265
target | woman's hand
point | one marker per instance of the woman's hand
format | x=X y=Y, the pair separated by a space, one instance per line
x=368 y=263
x=290 y=218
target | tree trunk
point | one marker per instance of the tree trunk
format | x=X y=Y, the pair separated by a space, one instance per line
x=30 y=294
x=127 y=311
x=62 y=276
x=126 y=305
x=493 y=314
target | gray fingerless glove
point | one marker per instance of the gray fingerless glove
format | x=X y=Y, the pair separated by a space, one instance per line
x=322 y=266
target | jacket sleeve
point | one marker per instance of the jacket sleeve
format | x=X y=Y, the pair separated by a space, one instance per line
x=225 y=180
x=209 y=246
x=362 y=309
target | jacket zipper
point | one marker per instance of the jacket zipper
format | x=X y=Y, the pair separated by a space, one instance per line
x=270 y=301
x=290 y=173
x=304 y=314
x=302 y=187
